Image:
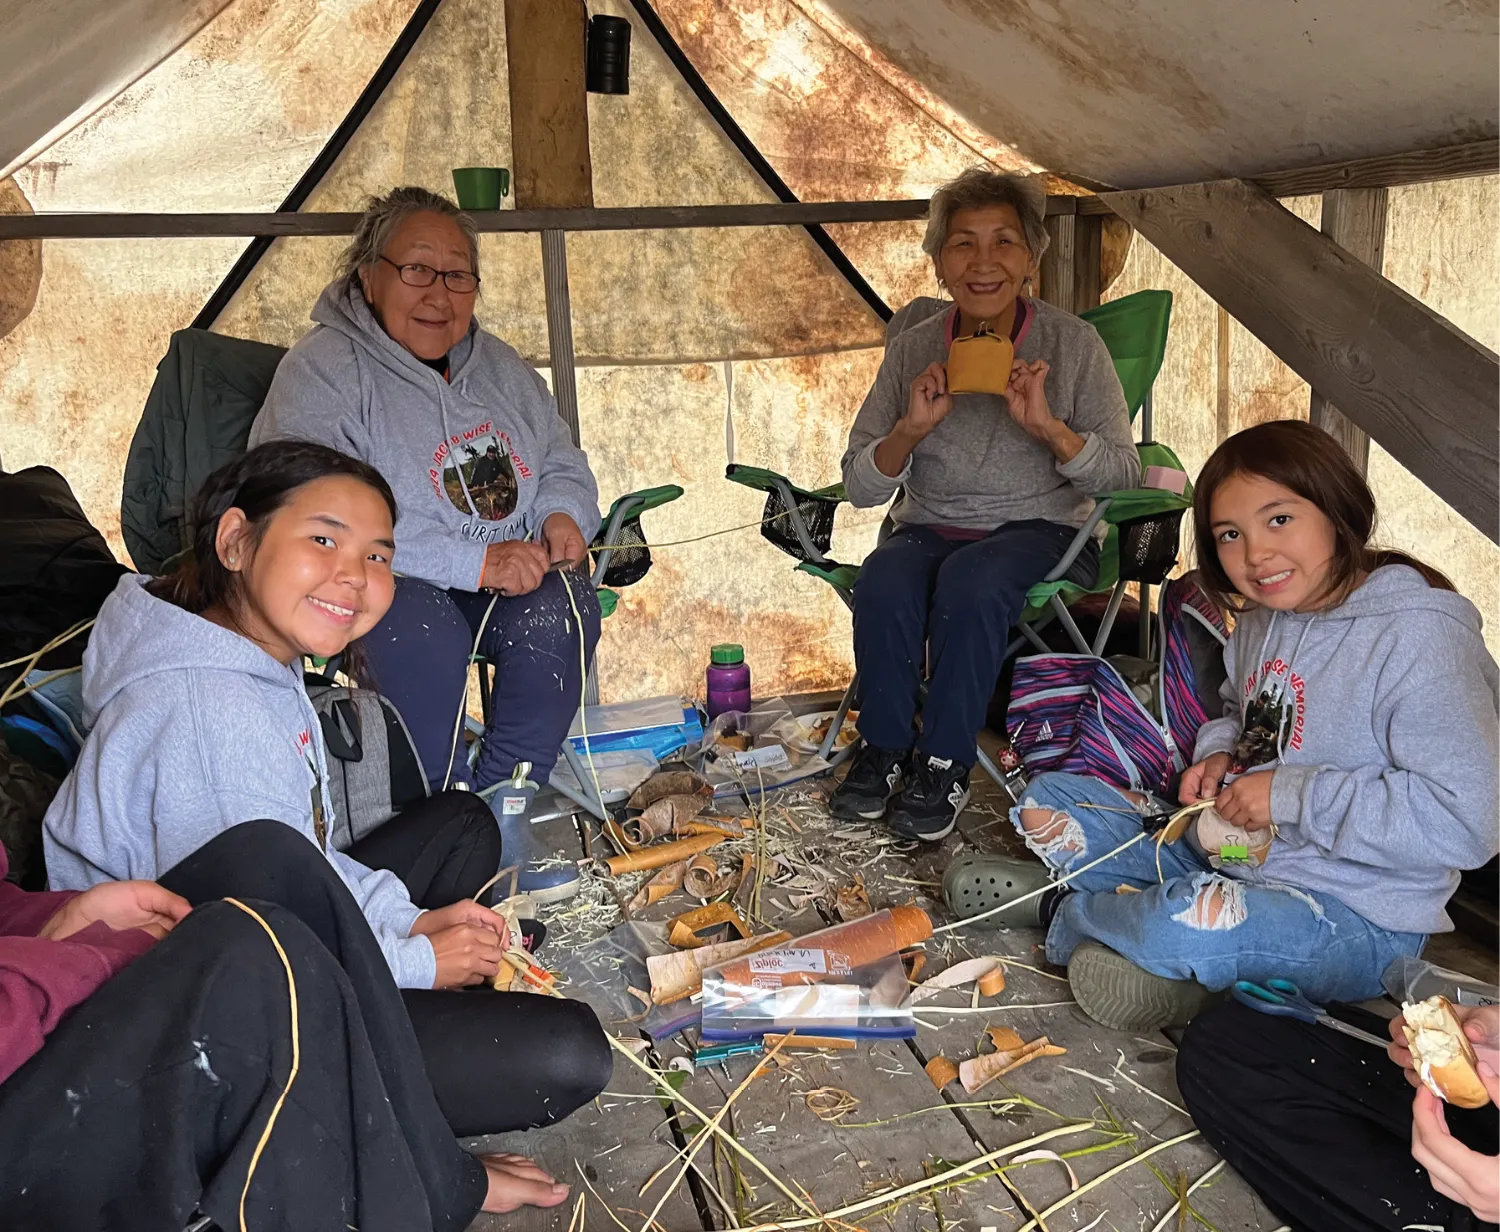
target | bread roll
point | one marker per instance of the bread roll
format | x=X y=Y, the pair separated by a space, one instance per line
x=1443 y=1055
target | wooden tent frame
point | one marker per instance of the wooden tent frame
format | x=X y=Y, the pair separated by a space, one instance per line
x=1381 y=364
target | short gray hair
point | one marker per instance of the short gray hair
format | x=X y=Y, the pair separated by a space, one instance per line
x=384 y=215
x=978 y=187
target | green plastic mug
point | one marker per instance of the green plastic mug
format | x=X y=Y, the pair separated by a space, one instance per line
x=480 y=188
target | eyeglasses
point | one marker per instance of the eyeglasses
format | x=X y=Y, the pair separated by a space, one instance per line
x=460 y=282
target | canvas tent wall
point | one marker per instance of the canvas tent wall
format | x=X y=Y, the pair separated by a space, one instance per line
x=679 y=334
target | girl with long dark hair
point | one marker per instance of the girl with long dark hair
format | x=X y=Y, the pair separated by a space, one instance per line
x=1358 y=732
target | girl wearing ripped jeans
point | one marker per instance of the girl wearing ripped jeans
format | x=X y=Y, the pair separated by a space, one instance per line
x=1359 y=728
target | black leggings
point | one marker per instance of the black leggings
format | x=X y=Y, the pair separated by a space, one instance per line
x=497 y=1061
x=148 y=1100
x=1319 y=1123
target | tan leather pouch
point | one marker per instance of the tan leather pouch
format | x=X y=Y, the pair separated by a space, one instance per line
x=980 y=363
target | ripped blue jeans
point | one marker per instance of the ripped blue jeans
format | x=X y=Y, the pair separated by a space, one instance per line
x=1196 y=923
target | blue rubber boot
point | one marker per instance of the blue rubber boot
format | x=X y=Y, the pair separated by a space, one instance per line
x=545 y=852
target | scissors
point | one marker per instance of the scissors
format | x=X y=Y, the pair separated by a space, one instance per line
x=1285 y=1000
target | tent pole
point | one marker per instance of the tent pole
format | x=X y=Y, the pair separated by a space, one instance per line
x=323 y=163
x=758 y=161
x=560 y=327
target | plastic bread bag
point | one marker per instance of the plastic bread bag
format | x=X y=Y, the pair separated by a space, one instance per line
x=844 y=980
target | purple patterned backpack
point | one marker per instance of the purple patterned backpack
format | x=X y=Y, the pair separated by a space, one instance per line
x=1077 y=713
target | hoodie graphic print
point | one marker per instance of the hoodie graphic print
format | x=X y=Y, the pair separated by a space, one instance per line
x=477 y=459
x=194 y=729
x=1378 y=719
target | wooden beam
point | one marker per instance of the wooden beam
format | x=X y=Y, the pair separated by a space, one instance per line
x=1354 y=219
x=1483 y=158
x=1451 y=162
x=549 y=113
x=1422 y=388
x=628 y=218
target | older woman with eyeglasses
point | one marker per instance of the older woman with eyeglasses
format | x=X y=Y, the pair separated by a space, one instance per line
x=493 y=495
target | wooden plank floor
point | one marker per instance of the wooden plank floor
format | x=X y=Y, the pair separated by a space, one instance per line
x=900 y=1127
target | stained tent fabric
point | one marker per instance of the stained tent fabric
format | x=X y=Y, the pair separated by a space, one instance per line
x=685 y=339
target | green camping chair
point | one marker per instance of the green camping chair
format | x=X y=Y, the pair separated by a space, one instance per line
x=1140 y=543
x=622 y=557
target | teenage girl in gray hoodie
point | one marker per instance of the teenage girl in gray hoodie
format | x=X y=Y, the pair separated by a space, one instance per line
x=1359 y=727
x=200 y=723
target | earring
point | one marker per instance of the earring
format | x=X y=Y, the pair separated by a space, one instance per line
x=234 y=560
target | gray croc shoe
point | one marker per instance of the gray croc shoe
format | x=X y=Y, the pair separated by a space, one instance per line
x=975 y=884
x=1115 y=993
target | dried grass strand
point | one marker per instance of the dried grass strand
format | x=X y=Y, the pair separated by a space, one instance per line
x=1105 y=1176
x=882 y=1199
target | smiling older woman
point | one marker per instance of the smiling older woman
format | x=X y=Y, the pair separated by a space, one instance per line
x=491 y=488
x=992 y=489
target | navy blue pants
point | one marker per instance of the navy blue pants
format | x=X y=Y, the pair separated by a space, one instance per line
x=919 y=592
x=419 y=658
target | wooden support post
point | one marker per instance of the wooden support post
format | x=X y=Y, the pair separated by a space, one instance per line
x=549 y=114
x=1059 y=260
x=1422 y=388
x=1354 y=219
x=1088 y=238
x=549 y=127
x=1071 y=266
x=551 y=169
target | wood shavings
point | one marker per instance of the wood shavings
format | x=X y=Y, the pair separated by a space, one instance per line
x=830 y=1103
x=662 y=884
x=650 y=825
x=918 y=961
x=941 y=1071
x=1083 y=1073
x=979 y=1072
x=679 y=975
x=682 y=931
x=666 y=815
x=643 y=997
x=1035 y=1156
x=837 y=1218
x=1005 y=1039
x=519 y=973
x=713 y=825
x=992 y=982
x=661 y=854
x=1104 y=1178
x=681 y=937
x=670 y=783
x=835 y=1043
x=1122 y=888
x=704 y=880
x=956 y=976
x=852 y=902
x=633 y=1044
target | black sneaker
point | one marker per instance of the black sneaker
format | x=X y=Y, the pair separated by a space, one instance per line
x=933 y=796
x=872 y=780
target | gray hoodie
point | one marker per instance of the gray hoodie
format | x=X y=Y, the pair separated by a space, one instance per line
x=195 y=729
x=979 y=469
x=1379 y=720
x=478 y=459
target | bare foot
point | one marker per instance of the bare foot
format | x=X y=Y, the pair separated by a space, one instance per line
x=516 y=1181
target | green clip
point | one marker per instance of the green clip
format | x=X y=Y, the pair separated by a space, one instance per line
x=1234 y=853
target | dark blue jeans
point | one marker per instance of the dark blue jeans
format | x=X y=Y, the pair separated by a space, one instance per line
x=919 y=592
x=418 y=656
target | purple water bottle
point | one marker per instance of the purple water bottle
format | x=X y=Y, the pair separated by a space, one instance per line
x=728 y=679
